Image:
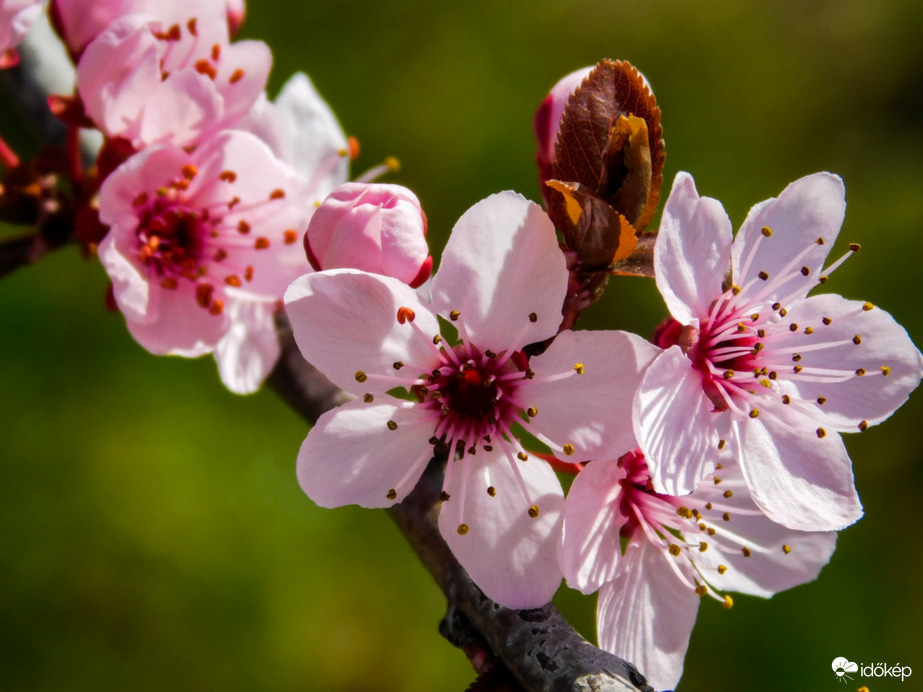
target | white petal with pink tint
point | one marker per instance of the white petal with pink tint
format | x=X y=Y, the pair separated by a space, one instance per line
x=809 y=209
x=612 y=364
x=345 y=321
x=856 y=339
x=591 y=551
x=749 y=553
x=691 y=251
x=645 y=615
x=249 y=349
x=675 y=424
x=798 y=481
x=501 y=266
x=353 y=456
x=509 y=554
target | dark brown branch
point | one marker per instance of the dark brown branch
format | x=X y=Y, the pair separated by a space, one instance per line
x=538 y=646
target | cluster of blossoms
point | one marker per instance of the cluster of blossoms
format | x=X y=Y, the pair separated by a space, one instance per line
x=707 y=459
x=204 y=188
x=706 y=462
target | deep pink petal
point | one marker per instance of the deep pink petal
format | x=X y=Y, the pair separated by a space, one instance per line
x=799 y=480
x=502 y=264
x=646 y=615
x=345 y=321
x=692 y=251
x=809 y=209
x=352 y=456
x=591 y=411
x=868 y=341
x=760 y=557
x=675 y=424
x=591 y=551
x=510 y=555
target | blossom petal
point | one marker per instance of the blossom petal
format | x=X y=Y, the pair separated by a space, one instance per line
x=675 y=424
x=799 y=480
x=807 y=211
x=692 y=250
x=352 y=456
x=185 y=108
x=860 y=340
x=591 y=411
x=175 y=324
x=509 y=554
x=501 y=266
x=591 y=550
x=756 y=555
x=249 y=350
x=346 y=321
x=242 y=74
x=646 y=615
x=314 y=136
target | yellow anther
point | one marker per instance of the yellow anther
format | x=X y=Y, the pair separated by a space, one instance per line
x=860 y=372
x=786 y=548
x=568 y=449
x=368 y=398
x=885 y=370
x=703 y=546
x=701 y=589
x=754 y=413
x=863 y=425
x=867 y=306
x=767 y=231
x=726 y=516
x=857 y=339
x=454 y=315
x=492 y=491
x=462 y=529
x=821 y=433
x=855 y=247
x=361 y=376
x=392 y=425
x=722 y=569
x=746 y=551
x=391 y=494
x=523 y=456
x=578 y=367
x=533 y=511
x=532 y=412
x=675 y=550
x=728 y=603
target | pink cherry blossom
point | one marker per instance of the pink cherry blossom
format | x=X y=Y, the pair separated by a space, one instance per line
x=375 y=227
x=302 y=131
x=500 y=286
x=652 y=556
x=16 y=18
x=548 y=121
x=201 y=248
x=152 y=81
x=78 y=22
x=756 y=362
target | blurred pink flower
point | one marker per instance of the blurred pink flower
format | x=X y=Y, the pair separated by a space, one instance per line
x=501 y=285
x=652 y=556
x=155 y=81
x=16 y=18
x=201 y=248
x=78 y=22
x=302 y=131
x=758 y=363
x=375 y=227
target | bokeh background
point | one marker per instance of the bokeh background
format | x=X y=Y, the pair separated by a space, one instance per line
x=152 y=533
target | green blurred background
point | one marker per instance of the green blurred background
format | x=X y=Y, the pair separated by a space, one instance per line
x=152 y=533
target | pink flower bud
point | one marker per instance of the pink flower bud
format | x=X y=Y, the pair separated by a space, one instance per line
x=548 y=119
x=375 y=227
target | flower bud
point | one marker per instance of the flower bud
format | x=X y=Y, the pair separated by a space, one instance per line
x=548 y=119
x=375 y=227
